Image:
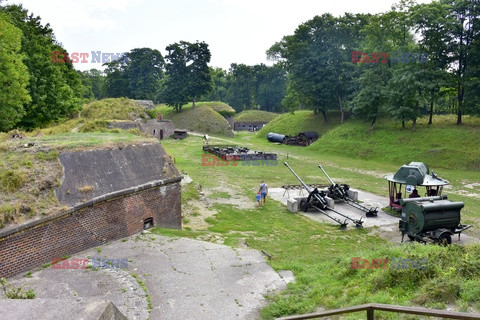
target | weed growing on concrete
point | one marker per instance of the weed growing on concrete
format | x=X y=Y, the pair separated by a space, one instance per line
x=144 y=287
x=15 y=293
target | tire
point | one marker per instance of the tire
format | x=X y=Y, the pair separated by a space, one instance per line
x=304 y=205
x=445 y=239
x=412 y=238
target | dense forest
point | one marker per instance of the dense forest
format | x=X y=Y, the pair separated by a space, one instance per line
x=414 y=60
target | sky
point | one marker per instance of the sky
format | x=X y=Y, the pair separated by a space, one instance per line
x=237 y=31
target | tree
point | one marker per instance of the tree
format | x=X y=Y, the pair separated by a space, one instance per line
x=13 y=76
x=144 y=70
x=116 y=81
x=200 y=80
x=219 y=86
x=317 y=59
x=95 y=80
x=429 y=20
x=188 y=75
x=271 y=85
x=462 y=28
x=241 y=86
x=54 y=88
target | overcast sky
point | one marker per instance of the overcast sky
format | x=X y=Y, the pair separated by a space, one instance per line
x=237 y=31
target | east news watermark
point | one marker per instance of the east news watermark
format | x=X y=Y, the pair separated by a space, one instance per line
x=84 y=57
x=209 y=160
x=396 y=57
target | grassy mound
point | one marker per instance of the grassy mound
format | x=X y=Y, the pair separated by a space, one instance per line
x=29 y=169
x=113 y=109
x=202 y=118
x=256 y=115
x=442 y=145
x=221 y=107
x=300 y=121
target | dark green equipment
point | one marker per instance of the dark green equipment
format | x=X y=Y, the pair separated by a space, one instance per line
x=436 y=218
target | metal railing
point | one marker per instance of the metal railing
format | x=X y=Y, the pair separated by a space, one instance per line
x=370 y=309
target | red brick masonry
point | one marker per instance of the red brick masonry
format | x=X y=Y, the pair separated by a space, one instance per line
x=90 y=224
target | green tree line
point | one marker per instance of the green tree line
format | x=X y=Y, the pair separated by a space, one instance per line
x=413 y=60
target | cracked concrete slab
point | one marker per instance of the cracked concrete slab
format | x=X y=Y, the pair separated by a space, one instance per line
x=184 y=278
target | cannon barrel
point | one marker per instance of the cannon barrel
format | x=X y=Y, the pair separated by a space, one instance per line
x=304 y=185
x=328 y=177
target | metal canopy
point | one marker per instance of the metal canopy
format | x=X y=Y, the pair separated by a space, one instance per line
x=416 y=174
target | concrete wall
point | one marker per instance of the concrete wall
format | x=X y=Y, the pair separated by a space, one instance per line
x=248 y=125
x=230 y=120
x=147 y=104
x=166 y=125
x=147 y=126
x=90 y=224
x=92 y=173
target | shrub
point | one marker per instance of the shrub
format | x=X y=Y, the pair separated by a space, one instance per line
x=11 y=180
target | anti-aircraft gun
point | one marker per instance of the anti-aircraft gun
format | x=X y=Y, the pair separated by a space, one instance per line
x=340 y=192
x=317 y=199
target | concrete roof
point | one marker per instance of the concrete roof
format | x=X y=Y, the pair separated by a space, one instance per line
x=92 y=173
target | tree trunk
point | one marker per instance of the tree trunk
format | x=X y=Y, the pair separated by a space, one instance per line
x=373 y=123
x=430 y=119
x=340 y=104
x=403 y=124
x=324 y=114
x=414 y=124
x=460 y=91
x=193 y=104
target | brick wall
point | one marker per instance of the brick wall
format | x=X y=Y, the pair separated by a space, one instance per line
x=96 y=222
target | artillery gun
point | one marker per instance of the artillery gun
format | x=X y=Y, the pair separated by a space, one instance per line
x=317 y=199
x=340 y=192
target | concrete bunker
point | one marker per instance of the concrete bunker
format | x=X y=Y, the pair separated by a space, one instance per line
x=110 y=194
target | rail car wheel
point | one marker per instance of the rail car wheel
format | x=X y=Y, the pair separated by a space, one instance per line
x=304 y=205
x=445 y=239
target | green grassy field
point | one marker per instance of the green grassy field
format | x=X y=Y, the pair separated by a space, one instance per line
x=443 y=145
x=319 y=254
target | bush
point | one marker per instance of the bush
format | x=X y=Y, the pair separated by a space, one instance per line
x=11 y=180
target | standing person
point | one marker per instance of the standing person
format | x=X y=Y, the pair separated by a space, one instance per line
x=263 y=192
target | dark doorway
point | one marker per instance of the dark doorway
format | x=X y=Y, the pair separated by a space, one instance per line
x=147 y=223
x=161 y=134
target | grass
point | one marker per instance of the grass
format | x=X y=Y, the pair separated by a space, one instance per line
x=437 y=145
x=74 y=140
x=320 y=255
x=29 y=167
x=11 y=180
x=256 y=115
x=300 y=121
x=220 y=107
x=144 y=288
x=201 y=118
x=113 y=109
